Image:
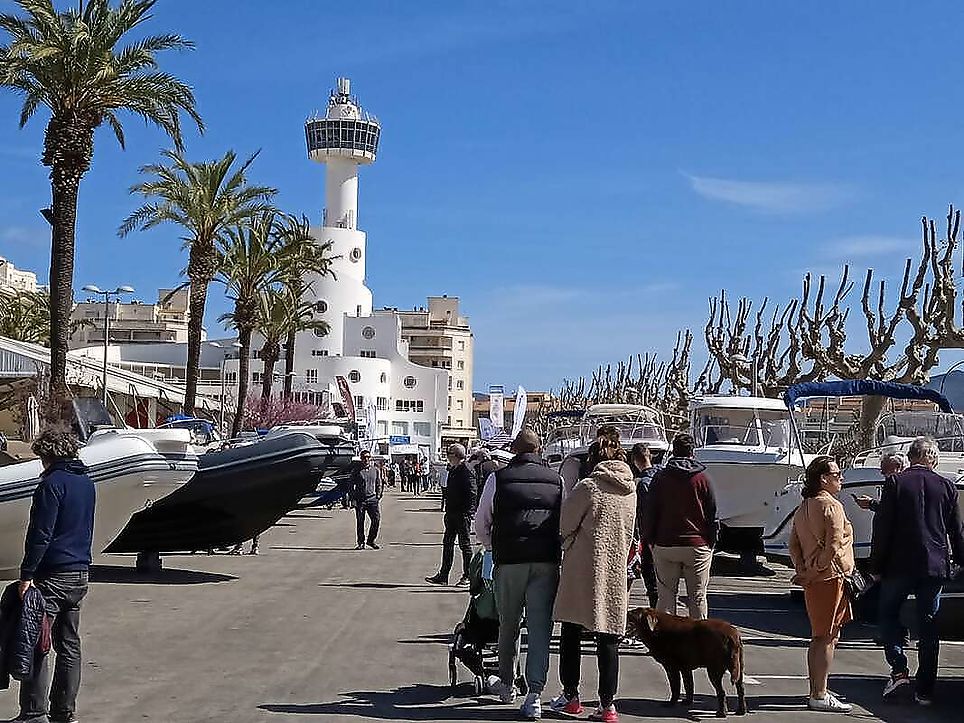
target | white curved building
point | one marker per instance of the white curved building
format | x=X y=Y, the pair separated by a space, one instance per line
x=365 y=347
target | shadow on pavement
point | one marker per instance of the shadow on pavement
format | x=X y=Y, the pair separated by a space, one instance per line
x=128 y=575
x=366 y=585
x=864 y=690
x=314 y=549
x=411 y=703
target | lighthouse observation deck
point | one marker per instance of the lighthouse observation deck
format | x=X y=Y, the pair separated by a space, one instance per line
x=346 y=131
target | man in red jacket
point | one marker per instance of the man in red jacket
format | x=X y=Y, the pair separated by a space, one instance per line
x=680 y=523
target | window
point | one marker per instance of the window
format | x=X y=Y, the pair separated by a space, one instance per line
x=311 y=376
x=381 y=404
x=382 y=426
x=319 y=332
x=400 y=428
x=356 y=254
x=410 y=382
x=368 y=332
x=354 y=376
x=461 y=365
x=422 y=429
x=256 y=377
x=450 y=383
x=461 y=404
x=367 y=353
x=321 y=307
x=462 y=345
x=383 y=378
x=359 y=402
x=460 y=384
x=231 y=377
x=319 y=352
x=450 y=401
x=409 y=405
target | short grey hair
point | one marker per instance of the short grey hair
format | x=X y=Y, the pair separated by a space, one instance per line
x=56 y=442
x=894 y=458
x=456 y=450
x=924 y=450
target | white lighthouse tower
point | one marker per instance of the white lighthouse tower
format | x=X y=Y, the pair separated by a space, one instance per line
x=344 y=139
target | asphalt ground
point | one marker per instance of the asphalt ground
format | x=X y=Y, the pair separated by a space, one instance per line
x=314 y=630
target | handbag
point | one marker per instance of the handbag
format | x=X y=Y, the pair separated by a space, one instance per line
x=855 y=584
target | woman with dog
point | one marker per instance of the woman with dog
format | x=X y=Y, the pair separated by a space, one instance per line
x=822 y=550
x=597 y=525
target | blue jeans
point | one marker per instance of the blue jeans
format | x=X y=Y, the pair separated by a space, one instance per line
x=894 y=592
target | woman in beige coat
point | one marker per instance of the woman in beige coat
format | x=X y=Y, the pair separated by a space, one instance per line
x=597 y=523
x=822 y=550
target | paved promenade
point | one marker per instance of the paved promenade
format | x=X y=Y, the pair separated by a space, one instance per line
x=314 y=630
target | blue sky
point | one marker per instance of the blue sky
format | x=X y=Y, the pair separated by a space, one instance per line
x=582 y=174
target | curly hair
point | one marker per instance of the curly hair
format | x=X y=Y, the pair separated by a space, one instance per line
x=56 y=442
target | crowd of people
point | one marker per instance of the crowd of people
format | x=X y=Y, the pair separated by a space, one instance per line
x=560 y=549
x=566 y=552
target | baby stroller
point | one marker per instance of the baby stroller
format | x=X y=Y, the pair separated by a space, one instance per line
x=475 y=638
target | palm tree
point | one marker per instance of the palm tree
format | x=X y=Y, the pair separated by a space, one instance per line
x=25 y=316
x=252 y=260
x=206 y=199
x=280 y=311
x=309 y=257
x=74 y=65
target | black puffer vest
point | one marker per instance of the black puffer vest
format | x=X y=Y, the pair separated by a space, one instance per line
x=525 y=519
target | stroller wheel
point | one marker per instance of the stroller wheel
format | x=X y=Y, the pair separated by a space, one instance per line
x=479 y=685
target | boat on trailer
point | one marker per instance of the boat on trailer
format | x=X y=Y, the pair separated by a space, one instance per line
x=751 y=452
x=894 y=433
x=128 y=472
x=238 y=493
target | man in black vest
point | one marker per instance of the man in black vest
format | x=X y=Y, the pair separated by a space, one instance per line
x=518 y=520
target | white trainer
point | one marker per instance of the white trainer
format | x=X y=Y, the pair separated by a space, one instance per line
x=506 y=693
x=829 y=704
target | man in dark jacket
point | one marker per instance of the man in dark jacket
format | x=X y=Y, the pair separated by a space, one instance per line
x=56 y=561
x=916 y=529
x=641 y=459
x=679 y=521
x=518 y=520
x=459 y=507
x=366 y=484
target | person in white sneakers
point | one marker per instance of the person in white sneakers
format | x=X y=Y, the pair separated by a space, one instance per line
x=822 y=551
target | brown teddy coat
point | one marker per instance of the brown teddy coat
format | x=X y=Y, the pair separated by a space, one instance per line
x=598 y=518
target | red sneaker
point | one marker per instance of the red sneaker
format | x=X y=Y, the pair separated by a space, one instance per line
x=566 y=706
x=605 y=715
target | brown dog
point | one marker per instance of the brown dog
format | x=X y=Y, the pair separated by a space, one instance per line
x=682 y=645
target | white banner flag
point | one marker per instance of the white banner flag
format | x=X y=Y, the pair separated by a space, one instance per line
x=371 y=424
x=519 y=415
x=497 y=407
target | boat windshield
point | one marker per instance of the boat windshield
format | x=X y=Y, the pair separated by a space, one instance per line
x=742 y=427
x=946 y=429
x=637 y=425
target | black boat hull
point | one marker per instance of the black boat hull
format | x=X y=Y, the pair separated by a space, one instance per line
x=235 y=495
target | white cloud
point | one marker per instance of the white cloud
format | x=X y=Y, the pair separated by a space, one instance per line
x=772 y=196
x=852 y=247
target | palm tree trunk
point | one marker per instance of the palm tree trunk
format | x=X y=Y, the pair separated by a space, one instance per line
x=269 y=353
x=244 y=362
x=289 y=363
x=67 y=150
x=195 y=324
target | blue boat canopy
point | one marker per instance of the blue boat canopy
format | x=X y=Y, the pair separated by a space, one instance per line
x=867 y=388
x=566 y=413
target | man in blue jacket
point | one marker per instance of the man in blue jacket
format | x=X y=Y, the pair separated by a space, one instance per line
x=56 y=560
x=916 y=529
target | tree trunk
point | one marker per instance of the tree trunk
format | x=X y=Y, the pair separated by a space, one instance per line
x=244 y=362
x=870 y=411
x=195 y=324
x=68 y=146
x=269 y=355
x=289 y=363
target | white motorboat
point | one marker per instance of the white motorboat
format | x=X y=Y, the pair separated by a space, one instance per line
x=751 y=452
x=128 y=473
x=636 y=423
x=894 y=433
x=559 y=443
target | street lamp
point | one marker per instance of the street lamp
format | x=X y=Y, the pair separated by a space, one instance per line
x=754 y=372
x=224 y=358
x=92 y=289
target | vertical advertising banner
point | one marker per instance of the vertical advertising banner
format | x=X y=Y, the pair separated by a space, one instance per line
x=486 y=429
x=519 y=414
x=346 y=398
x=497 y=407
x=371 y=417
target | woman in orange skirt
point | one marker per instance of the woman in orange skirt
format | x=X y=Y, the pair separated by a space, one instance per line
x=822 y=550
